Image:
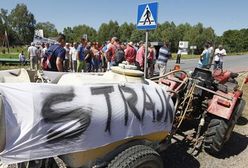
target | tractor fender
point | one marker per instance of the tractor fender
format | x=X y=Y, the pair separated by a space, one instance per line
x=222 y=107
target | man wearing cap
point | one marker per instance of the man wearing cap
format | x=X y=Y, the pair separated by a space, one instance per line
x=32 y=51
x=130 y=53
x=81 y=55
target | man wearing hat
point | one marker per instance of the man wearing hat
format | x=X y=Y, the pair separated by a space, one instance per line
x=130 y=53
x=32 y=51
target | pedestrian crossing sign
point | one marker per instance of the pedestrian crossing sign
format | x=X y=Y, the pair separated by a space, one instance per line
x=147 y=16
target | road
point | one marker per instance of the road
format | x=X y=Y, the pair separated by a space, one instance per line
x=234 y=63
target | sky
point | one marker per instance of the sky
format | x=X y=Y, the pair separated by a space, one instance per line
x=221 y=15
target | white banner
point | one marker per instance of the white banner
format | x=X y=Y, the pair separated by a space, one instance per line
x=45 y=120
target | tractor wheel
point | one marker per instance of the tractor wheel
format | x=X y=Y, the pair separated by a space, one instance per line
x=219 y=130
x=138 y=156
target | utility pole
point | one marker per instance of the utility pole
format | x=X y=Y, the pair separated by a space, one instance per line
x=6 y=39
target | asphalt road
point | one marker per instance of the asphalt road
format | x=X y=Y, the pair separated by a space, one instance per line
x=233 y=63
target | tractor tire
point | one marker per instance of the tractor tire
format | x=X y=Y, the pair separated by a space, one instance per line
x=219 y=130
x=138 y=156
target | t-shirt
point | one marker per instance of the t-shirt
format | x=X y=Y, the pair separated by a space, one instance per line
x=140 y=56
x=32 y=50
x=44 y=51
x=163 y=55
x=55 y=51
x=22 y=57
x=111 y=52
x=205 y=57
x=220 y=53
x=67 y=52
x=130 y=54
x=80 y=50
x=73 y=53
x=211 y=51
x=150 y=54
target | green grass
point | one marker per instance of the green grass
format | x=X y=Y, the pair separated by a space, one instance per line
x=7 y=67
x=190 y=56
x=13 y=52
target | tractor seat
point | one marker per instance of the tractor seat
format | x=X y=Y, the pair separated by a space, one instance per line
x=231 y=86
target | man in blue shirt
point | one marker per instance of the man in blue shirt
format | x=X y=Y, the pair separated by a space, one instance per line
x=204 y=59
x=55 y=55
x=81 y=55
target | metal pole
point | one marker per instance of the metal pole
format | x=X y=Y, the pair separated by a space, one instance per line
x=146 y=53
x=7 y=40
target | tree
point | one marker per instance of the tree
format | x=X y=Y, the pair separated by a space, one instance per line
x=69 y=34
x=137 y=36
x=48 y=28
x=3 y=23
x=23 y=23
x=125 y=31
x=232 y=39
x=80 y=30
x=107 y=31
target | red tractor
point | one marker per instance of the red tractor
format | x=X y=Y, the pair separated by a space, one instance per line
x=213 y=101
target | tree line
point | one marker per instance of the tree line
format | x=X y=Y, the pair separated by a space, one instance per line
x=20 y=24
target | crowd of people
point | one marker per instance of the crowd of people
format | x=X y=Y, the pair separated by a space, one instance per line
x=210 y=57
x=87 y=56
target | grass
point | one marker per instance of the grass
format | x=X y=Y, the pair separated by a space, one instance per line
x=13 y=52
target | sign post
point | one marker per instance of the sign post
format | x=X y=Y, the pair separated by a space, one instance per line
x=147 y=20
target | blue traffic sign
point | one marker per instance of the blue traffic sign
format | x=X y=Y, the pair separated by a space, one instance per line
x=147 y=16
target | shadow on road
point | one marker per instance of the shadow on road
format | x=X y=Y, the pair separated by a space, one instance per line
x=236 y=144
x=242 y=121
x=176 y=156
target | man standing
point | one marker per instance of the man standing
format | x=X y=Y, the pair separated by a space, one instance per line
x=55 y=55
x=32 y=51
x=81 y=55
x=140 y=56
x=67 y=56
x=220 y=52
x=130 y=53
x=163 y=56
x=179 y=52
x=73 y=54
x=111 y=49
x=211 y=53
x=204 y=58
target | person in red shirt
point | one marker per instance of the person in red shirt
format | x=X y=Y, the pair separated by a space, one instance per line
x=140 y=56
x=111 y=49
x=130 y=53
x=150 y=60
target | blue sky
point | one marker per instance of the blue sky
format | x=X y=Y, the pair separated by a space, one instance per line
x=221 y=15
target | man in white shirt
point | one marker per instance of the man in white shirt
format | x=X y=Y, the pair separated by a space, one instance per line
x=32 y=51
x=73 y=54
x=219 y=53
